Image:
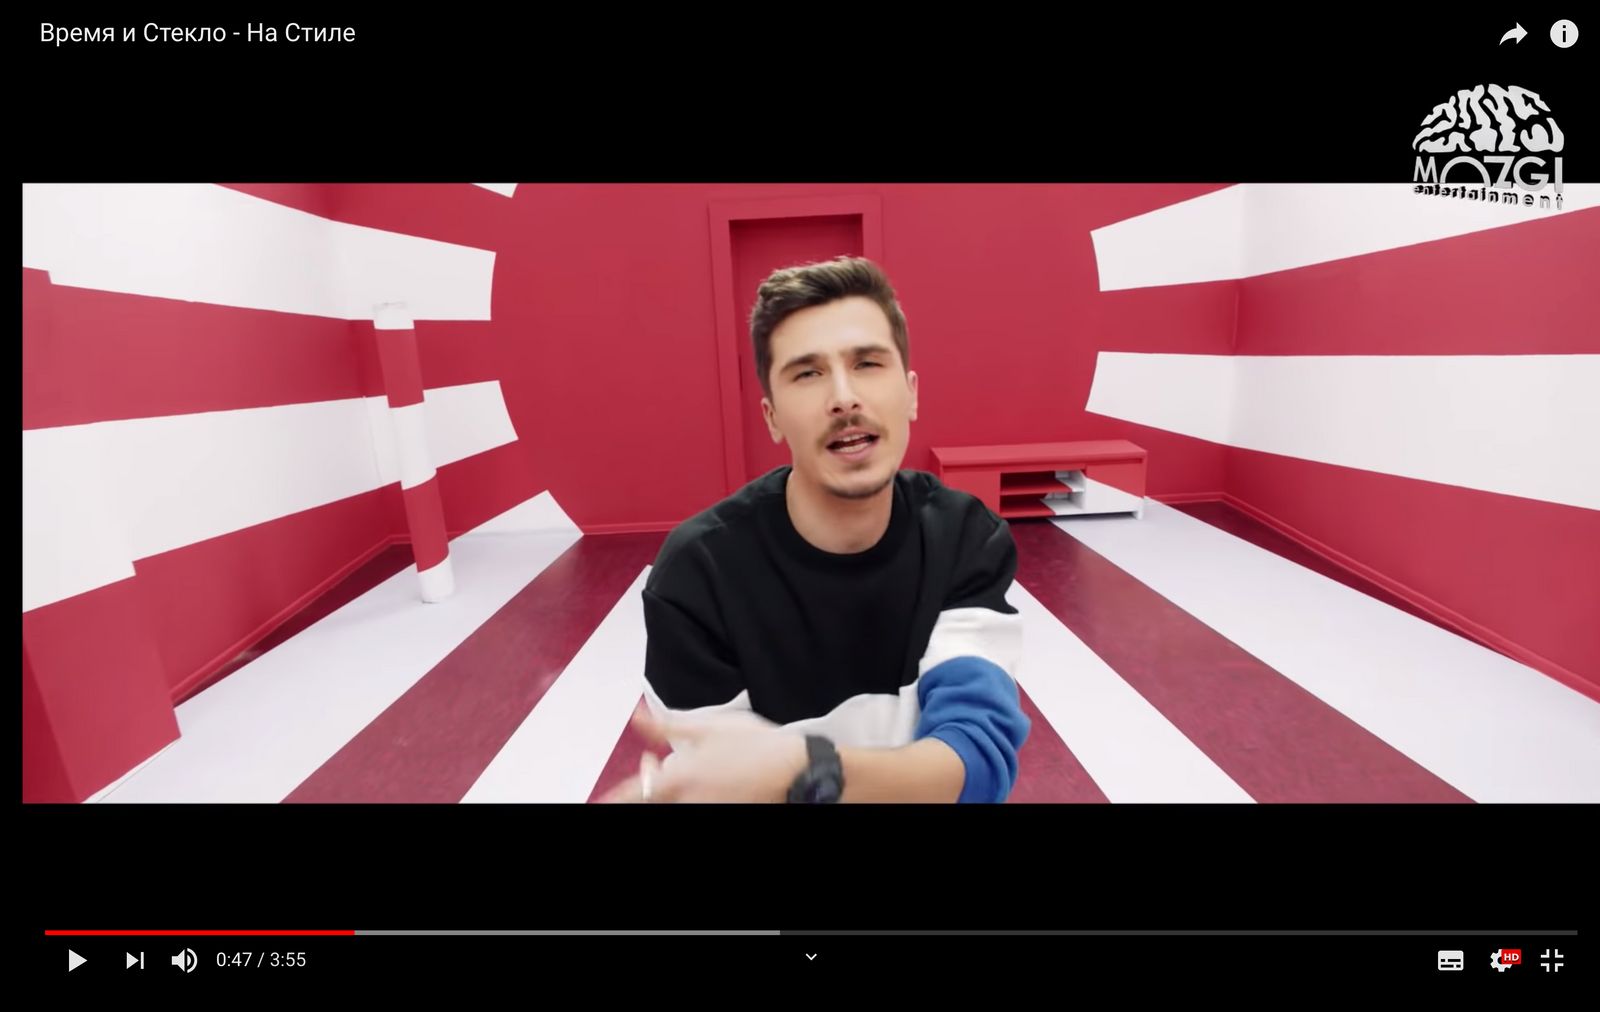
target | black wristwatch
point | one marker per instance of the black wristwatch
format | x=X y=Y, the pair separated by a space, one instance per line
x=822 y=781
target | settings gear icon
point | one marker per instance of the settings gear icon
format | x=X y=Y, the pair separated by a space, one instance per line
x=1494 y=961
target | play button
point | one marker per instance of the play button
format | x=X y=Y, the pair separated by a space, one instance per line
x=74 y=960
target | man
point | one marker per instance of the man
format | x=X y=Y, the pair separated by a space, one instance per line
x=837 y=629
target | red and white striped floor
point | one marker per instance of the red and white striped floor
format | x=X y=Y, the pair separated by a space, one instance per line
x=1189 y=656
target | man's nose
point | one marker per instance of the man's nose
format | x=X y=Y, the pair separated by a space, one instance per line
x=844 y=399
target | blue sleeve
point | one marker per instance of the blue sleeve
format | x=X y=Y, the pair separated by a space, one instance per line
x=972 y=705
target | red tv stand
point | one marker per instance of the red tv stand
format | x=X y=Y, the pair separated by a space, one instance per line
x=1048 y=479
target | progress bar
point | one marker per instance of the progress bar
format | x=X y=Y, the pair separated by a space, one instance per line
x=1080 y=933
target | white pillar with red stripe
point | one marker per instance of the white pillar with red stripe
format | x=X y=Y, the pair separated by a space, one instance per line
x=419 y=483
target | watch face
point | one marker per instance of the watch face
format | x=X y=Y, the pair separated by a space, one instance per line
x=822 y=782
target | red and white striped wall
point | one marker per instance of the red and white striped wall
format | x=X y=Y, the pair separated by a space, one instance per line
x=1410 y=391
x=209 y=443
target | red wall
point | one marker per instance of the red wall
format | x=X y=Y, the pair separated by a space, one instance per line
x=604 y=326
x=1521 y=573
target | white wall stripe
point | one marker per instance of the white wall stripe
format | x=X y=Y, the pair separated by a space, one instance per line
x=205 y=243
x=1523 y=425
x=465 y=420
x=540 y=513
x=392 y=316
x=561 y=748
x=504 y=189
x=1258 y=228
x=180 y=479
x=1191 y=394
x=1133 y=753
x=1496 y=730
x=73 y=536
x=1201 y=239
x=256 y=735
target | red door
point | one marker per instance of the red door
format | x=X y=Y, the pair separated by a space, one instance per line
x=761 y=246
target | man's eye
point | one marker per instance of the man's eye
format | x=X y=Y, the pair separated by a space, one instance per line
x=875 y=364
x=803 y=375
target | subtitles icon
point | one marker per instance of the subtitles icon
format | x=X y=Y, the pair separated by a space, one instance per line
x=1452 y=959
x=1504 y=959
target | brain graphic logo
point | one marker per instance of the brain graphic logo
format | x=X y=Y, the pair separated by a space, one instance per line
x=1489 y=118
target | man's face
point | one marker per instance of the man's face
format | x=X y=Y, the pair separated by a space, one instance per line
x=836 y=374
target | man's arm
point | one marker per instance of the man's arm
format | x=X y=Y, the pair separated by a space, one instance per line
x=926 y=771
x=967 y=686
x=727 y=759
x=967 y=740
x=966 y=751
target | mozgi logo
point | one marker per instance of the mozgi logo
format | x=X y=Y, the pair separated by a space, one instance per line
x=1504 y=140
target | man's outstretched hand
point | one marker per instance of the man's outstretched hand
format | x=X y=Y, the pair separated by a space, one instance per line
x=729 y=760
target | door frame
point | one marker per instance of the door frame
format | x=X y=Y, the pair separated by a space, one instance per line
x=730 y=329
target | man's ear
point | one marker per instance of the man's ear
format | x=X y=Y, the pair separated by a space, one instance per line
x=911 y=381
x=769 y=415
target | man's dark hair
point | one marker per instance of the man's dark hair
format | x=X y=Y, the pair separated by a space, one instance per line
x=792 y=289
